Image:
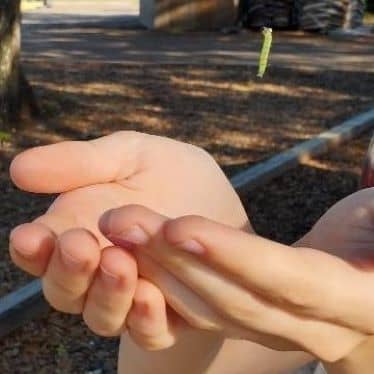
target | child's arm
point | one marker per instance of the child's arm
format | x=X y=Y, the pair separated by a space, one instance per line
x=360 y=361
x=269 y=293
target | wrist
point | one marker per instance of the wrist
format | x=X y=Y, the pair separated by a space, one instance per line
x=194 y=352
x=359 y=361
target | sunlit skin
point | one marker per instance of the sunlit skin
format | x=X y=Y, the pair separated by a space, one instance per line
x=93 y=177
x=252 y=288
x=78 y=265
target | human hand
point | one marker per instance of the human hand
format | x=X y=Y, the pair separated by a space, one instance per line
x=248 y=287
x=64 y=246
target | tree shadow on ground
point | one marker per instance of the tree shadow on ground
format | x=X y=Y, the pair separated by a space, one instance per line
x=119 y=41
x=223 y=109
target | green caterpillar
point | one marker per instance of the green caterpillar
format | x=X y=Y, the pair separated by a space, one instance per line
x=265 y=51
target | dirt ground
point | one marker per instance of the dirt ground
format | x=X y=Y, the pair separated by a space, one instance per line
x=236 y=117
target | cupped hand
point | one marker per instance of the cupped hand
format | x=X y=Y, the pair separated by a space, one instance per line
x=80 y=270
x=247 y=287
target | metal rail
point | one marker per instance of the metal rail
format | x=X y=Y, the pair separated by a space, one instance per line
x=27 y=303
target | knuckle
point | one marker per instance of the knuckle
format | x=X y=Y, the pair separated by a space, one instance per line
x=151 y=343
x=103 y=327
x=69 y=238
x=147 y=301
x=202 y=323
x=177 y=229
x=61 y=305
x=62 y=297
x=300 y=301
x=243 y=314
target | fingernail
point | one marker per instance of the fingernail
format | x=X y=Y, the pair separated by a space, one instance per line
x=23 y=252
x=109 y=278
x=71 y=262
x=134 y=236
x=104 y=222
x=192 y=246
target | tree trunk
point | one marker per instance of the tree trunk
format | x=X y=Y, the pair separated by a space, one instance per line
x=14 y=88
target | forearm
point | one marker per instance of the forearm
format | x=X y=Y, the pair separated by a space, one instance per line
x=198 y=353
x=193 y=353
x=359 y=361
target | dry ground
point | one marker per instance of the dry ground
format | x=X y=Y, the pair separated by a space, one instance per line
x=237 y=118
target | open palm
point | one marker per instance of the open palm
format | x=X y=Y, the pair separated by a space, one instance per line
x=93 y=177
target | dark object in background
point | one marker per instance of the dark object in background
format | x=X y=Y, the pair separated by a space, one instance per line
x=15 y=91
x=370 y=5
x=310 y=15
x=281 y=14
x=367 y=177
x=322 y=15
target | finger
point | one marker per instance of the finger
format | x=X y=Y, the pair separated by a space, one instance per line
x=179 y=297
x=151 y=325
x=71 y=270
x=31 y=246
x=310 y=282
x=110 y=297
x=246 y=308
x=74 y=164
x=195 y=311
x=123 y=226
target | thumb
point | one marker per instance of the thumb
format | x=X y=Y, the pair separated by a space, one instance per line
x=72 y=164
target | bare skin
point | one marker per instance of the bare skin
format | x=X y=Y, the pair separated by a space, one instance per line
x=66 y=248
x=259 y=290
x=78 y=264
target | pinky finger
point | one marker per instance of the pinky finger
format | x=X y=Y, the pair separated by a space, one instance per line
x=150 y=323
x=31 y=246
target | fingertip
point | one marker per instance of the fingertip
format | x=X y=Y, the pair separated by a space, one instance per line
x=79 y=246
x=30 y=247
x=120 y=264
x=29 y=239
x=104 y=222
x=147 y=321
x=27 y=171
x=110 y=296
x=116 y=221
x=16 y=170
